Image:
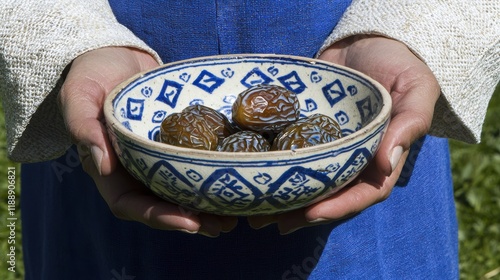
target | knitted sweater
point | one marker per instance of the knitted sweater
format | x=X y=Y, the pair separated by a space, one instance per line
x=458 y=39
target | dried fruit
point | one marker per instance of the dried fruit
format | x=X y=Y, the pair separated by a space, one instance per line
x=188 y=130
x=307 y=132
x=218 y=122
x=244 y=141
x=328 y=124
x=265 y=108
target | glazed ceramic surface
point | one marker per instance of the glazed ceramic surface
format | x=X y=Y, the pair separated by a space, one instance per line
x=246 y=183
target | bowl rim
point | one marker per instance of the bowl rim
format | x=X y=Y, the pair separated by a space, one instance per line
x=378 y=120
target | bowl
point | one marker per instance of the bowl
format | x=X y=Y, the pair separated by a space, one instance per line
x=245 y=183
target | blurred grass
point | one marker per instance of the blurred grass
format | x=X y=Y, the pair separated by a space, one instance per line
x=476 y=175
x=5 y=163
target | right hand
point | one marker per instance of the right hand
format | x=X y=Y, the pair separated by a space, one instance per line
x=90 y=78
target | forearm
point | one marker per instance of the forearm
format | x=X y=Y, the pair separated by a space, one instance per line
x=460 y=42
x=39 y=40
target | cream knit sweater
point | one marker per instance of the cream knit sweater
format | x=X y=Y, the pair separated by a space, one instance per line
x=458 y=39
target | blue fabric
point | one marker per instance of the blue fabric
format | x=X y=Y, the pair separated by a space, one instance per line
x=185 y=29
x=69 y=233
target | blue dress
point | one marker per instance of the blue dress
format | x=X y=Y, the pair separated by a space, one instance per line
x=69 y=232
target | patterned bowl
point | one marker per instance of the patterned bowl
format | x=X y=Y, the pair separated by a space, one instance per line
x=246 y=184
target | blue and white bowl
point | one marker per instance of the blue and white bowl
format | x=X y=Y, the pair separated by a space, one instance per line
x=246 y=183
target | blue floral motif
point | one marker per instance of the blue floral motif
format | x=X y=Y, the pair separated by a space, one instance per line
x=227 y=188
x=126 y=124
x=208 y=81
x=315 y=77
x=255 y=77
x=227 y=72
x=169 y=93
x=154 y=134
x=296 y=185
x=172 y=182
x=193 y=175
x=365 y=109
x=334 y=92
x=141 y=164
x=341 y=117
x=352 y=89
x=333 y=167
x=354 y=164
x=226 y=111
x=273 y=70
x=196 y=101
x=158 y=116
x=135 y=108
x=310 y=105
x=132 y=165
x=229 y=99
x=262 y=178
x=147 y=91
x=185 y=77
x=292 y=82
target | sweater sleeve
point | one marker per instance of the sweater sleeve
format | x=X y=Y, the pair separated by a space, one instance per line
x=458 y=39
x=39 y=39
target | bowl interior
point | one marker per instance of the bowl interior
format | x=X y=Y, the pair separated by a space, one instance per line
x=346 y=96
x=228 y=183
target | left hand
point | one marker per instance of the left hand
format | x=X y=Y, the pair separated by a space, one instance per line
x=414 y=91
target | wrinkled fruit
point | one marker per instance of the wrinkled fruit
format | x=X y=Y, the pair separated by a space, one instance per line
x=265 y=108
x=215 y=119
x=188 y=130
x=244 y=141
x=307 y=132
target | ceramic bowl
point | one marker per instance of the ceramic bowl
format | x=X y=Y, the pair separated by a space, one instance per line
x=246 y=184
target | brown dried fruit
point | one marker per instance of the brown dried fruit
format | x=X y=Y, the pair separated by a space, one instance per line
x=266 y=108
x=244 y=141
x=215 y=119
x=307 y=132
x=328 y=124
x=188 y=130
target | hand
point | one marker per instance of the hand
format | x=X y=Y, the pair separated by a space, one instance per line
x=90 y=78
x=414 y=91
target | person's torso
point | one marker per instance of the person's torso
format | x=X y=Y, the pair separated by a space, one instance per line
x=185 y=29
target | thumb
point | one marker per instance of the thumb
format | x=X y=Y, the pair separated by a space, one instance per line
x=82 y=101
x=91 y=77
x=414 y=94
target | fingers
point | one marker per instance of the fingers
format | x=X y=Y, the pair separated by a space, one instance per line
x=89 y=80
x=81 y=106
x=212 y=225
x=414 y=95
x=414 y=92
x=371 y=188
x=130 y=200
x=413 y=88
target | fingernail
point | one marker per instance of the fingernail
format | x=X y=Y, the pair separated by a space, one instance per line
x=318 y=220
x=189 y=231
x=97 y=155
x=260 y=226
x=396 y=154
x=208 y=234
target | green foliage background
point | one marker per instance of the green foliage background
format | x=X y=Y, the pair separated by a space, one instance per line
x=4 y=231
x=476 y=174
